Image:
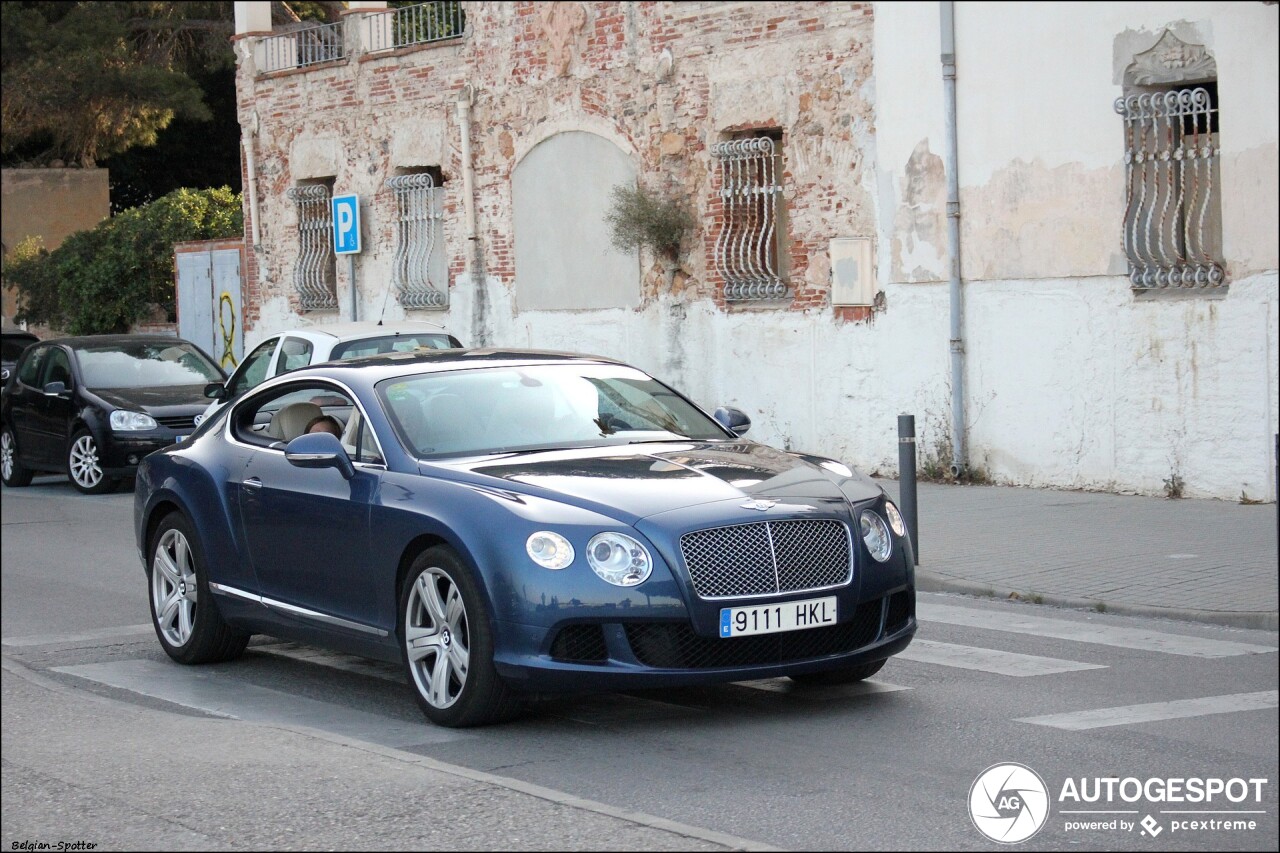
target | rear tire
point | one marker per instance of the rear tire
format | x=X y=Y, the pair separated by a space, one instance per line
x=849 y=675
x=12 y=472
x=447 y=644
x=183 y=612
x=84 y=466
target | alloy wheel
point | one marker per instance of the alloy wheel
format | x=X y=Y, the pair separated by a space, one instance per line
x=6 y=455
x=437 y=638
x=173 y=587
x=83 y=462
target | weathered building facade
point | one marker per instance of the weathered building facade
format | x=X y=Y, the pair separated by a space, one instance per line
x=1116 y=299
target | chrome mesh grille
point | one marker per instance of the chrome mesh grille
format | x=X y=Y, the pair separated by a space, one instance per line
x=767 y=557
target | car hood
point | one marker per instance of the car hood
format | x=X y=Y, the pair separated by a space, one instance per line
x=166 y=399
x=635 y=481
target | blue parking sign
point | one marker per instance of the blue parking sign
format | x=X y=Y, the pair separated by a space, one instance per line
x=346 y=224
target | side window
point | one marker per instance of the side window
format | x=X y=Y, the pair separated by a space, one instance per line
x=294 y=353
x=57 y=368
x=276 y=418
x=29 y=372
x=253 y=369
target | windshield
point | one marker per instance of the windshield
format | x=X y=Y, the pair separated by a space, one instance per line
x=148 y=364
x=496 y=410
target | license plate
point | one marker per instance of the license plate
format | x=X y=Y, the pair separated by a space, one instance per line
x=772 y=618
x=180 y=438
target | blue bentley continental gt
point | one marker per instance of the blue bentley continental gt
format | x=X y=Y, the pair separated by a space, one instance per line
x=515 y=523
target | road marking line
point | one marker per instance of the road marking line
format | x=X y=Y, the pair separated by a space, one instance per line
x=230 y=697
x=100 y=634
x=1086 y=632
x=1153 y=711
x=989 y=660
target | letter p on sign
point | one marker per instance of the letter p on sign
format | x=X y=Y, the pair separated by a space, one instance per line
x=346 y=224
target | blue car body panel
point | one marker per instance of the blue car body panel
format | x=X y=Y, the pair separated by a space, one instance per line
x=338 y=585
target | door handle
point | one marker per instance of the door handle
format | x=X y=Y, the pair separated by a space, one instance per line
x=252 y=483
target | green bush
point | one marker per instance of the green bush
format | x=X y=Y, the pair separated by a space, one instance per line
x=639 y=218
x=107 y=278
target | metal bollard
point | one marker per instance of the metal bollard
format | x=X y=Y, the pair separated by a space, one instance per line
x=907 y=478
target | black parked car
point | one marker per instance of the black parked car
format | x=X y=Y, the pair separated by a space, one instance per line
x=12 y=343
x=93 y=407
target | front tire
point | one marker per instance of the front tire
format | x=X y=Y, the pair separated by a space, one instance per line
x=850 y=675
x=183 y=612
x=84 y=465
x=12 y=472
x=447 y=644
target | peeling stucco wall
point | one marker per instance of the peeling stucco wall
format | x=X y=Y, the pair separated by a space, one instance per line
x=1072 y=380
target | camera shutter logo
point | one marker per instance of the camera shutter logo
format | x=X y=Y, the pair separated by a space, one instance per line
x=1008 y=803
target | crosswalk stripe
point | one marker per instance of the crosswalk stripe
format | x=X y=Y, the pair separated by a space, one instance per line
x=989 y=660
x=1086 y=632
x=1153 y=711
x=84 y=637
x=231 y=697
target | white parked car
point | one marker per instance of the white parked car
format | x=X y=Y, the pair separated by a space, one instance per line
x=296 y=348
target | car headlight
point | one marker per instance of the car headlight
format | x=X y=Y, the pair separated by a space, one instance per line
x=549 y=550
x=895 y=518
x=876 y=535
x=123 y=420
x=619 y=559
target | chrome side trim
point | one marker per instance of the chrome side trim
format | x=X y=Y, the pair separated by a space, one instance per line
x=293 y=610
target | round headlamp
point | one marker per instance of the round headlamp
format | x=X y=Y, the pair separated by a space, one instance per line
x=619 y=559
x=875 y=535
x=549 y=550
x=895 y=518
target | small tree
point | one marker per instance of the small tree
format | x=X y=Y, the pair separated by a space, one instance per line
x=107 y=278
x=640 y=217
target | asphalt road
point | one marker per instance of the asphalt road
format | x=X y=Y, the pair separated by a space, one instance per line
x=105 y=741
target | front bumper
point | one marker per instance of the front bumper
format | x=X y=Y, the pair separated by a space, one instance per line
x=617 y=655
x=121 y=453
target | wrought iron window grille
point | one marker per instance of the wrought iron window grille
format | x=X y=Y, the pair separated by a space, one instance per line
x=313 y=273
x=746 y=248
x=1171 y=158
x=419 y=227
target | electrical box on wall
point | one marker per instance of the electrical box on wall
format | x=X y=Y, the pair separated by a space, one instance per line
x=853 y=275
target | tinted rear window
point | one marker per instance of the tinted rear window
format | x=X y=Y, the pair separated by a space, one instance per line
x=392 y=343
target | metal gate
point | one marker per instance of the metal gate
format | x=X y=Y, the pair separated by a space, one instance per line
x=209 y=312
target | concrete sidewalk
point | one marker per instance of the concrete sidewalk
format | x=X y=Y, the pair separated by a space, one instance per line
x=1200 y=560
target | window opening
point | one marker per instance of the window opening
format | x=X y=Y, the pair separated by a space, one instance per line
x=415 y=270
x=314 y=274
x=748 y=249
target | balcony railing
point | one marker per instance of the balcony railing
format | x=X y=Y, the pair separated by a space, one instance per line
x=409 y=25
x=302 y=47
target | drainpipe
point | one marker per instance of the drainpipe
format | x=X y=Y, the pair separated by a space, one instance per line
x=249 y=141
x=475 y=255
x=958 y=450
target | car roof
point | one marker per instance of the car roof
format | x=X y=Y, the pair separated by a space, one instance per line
x=376 y=368
x=99 y=340
x=358 y=330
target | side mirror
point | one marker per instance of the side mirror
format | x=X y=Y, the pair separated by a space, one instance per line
x=215 y=391
x=319 y=450
x=734 y=420
x=55 y=389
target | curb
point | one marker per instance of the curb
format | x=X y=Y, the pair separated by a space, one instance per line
x=1257 y=620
